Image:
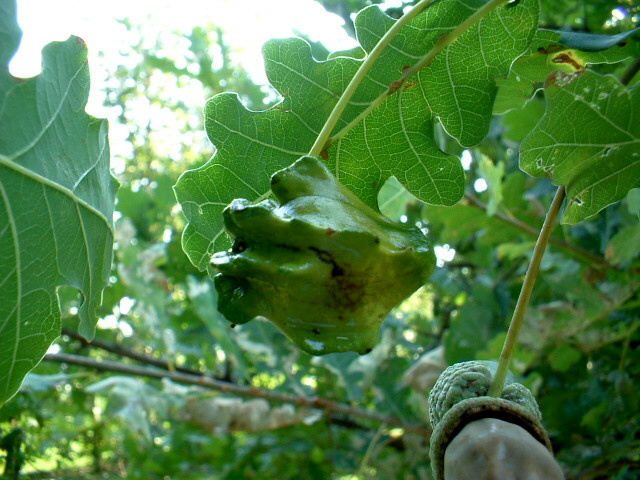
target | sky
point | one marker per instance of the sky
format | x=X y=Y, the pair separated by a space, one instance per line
x=247 y=25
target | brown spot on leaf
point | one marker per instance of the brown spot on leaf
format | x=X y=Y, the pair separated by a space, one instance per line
x=393 y=88
x=569 y=59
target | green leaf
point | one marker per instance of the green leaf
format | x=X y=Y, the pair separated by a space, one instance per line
x=564 y=358
x=340 y=365
x=493 y=174
x=130 y=399
x=624 y=246
x=476 y=323
x=204 y=298
x=633 y=202
x=393 y=199
x=397 y=139
x=56 y=201
x=519 y=122
x=550 y=51
x=588 y=140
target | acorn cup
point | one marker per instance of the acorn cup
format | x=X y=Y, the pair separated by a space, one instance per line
x=487 y=438
x=319 y=264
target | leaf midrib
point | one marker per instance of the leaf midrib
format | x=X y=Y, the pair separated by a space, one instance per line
x=6 y=162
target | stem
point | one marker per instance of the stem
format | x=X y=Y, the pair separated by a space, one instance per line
x=319 y=145
x=369 y=452
x=125 y=352
x=517 y=320
x=228 y=387
x=443 y=42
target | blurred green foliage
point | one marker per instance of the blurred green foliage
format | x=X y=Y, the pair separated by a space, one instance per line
x=579 y=350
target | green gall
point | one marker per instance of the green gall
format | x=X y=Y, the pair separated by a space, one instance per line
x=320 y=264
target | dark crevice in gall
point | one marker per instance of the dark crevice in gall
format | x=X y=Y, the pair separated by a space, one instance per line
x=288 y=247
x=239 y=246
x=326 y=257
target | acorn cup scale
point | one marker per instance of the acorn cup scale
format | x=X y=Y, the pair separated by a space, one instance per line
x=318 y=263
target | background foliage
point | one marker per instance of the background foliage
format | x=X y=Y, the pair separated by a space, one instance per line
x=274 y=412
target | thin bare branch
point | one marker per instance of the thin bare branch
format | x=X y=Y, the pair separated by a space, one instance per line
x=125 y=352
x=594 y=260
x=328 y=406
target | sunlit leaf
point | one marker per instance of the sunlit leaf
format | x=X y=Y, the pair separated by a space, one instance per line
x=588 y=141
x=457 y=89
x=56 y=201
x=550 y=51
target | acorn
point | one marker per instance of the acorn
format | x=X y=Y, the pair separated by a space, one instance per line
x=481 y=437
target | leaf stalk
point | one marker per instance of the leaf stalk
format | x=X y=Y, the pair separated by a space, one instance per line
x=320 y=144
x=443 y=42
x=517 y=320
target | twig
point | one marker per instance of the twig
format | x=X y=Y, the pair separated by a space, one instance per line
x=240 y=390
x=164 y=365
x=601 y=470
x=525 y=295
x=125 y=352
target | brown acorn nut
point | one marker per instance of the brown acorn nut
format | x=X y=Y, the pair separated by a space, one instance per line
x=493 y=449
x=459 y=400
